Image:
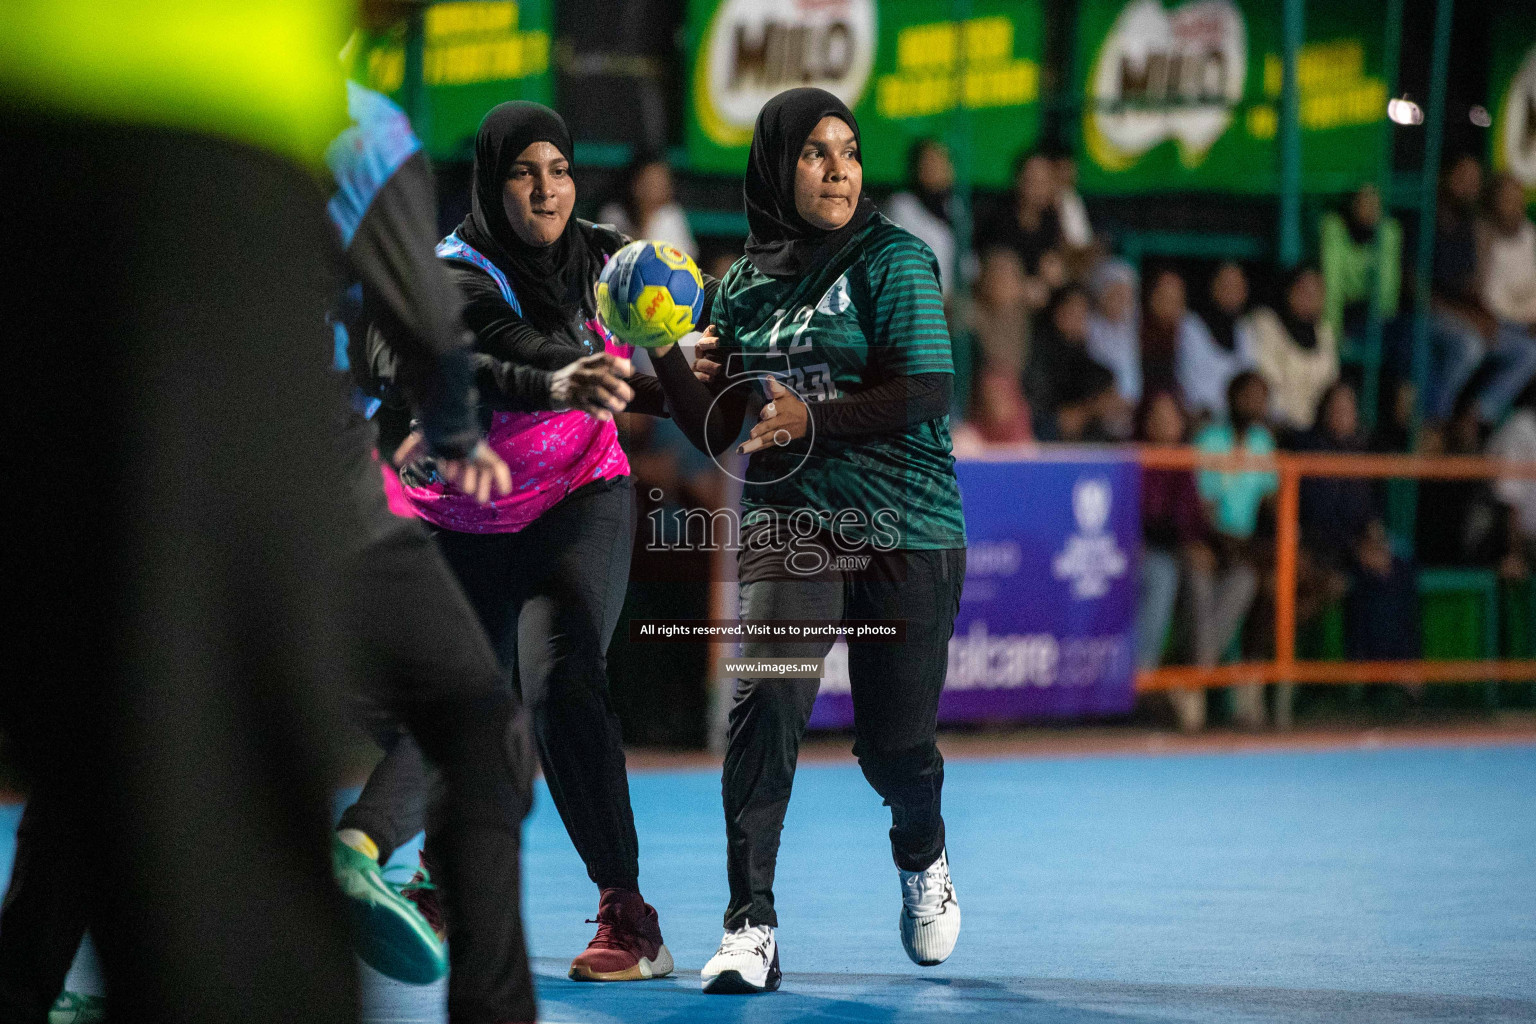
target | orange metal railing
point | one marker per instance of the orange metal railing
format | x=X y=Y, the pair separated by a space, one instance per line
x=1285 y=668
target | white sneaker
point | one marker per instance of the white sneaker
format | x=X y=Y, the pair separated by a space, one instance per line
x=930 y=914
x=747 y=962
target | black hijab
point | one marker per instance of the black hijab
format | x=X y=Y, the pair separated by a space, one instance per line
x=782 y=244
x=551 y=281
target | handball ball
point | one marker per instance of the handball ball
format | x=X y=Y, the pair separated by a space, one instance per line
x=650 y=294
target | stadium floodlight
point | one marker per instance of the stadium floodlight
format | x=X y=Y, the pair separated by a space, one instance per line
x=1479 y=116
x=1404 y=111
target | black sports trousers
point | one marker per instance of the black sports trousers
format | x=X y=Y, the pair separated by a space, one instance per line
x=229 y=553
x=549 y=597
x=896 y=690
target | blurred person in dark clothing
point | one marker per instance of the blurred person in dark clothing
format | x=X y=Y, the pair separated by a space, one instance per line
x=1027 y=222
x=1180 y=555
x=1345 y=541
x=1459 y=521
x=1072 y=396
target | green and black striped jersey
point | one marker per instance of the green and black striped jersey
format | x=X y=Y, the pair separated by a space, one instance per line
x=873 y=312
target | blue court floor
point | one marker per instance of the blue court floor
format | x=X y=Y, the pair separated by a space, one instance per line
x=1362 y=886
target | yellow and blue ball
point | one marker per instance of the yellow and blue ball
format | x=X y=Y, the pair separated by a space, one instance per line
x=650 y=294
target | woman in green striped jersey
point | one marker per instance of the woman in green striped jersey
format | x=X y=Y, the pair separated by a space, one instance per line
x=830 y=336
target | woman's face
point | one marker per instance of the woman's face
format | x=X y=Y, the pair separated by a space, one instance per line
x=1165 y=422
x=653 y=186
x=539 y=194
x=828 y=175
x=1166 y=303
x=1116 y=300
x=1001 y=282
x=1341 y=418
x=1037 y=182
x=1071 y=317
x=1508 y=202
x=1366 y=208
x=1229 y=289
x=1306 y=297
x=934 y=171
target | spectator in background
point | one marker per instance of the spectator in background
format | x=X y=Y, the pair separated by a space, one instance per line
x=1072 y=396
x=924 y=208
x=1165 y=322
x=1457 y=521
x=1345 y=548
x=1465 y=331
x=1114 y=325
x=1296 y=349
x=645 y=208
x=1516 y=440
x=1179 y=543
x=998 y=414
x=1077 y=231
x=1507 y=270
x=1236 y=497
x=1028 y=223
x=1352 y=275
x=1004 y=299
x=1220 y=343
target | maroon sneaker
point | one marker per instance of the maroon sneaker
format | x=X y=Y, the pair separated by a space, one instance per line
x=421 y=891
x=627 y=946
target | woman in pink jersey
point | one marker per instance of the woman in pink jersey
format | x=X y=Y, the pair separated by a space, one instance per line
x=546 y=565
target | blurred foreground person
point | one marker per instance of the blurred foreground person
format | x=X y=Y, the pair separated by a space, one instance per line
x=170 y=691
x=193 y=751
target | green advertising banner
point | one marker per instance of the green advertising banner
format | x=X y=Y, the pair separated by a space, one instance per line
x=1186 y=96
x=907 y=68
x=476 y=54
x=1512 y=90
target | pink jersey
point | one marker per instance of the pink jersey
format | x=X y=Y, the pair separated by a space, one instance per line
x=550 y=454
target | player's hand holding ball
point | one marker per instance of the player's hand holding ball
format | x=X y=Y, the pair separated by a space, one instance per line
x=650 y=294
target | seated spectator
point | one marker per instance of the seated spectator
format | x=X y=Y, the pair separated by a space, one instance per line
x=1507 y=267
x=1001 y=309
x=1352 y=275
x=1179 y=544
x=925 y=206
x=1028 y=224
x=1516 y=440
x=1073 y=397
x=1296 y=350
x=1236 y=497
x=998 y=414
x=1464 y=331
x=1114 y=325
x=1167 y=327
x=1345 y=549
x=1458 y=521
x=645 y=208
x=1219 y=344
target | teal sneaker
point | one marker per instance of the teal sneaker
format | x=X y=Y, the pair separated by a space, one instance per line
x=389 y=933
x=74 y=1008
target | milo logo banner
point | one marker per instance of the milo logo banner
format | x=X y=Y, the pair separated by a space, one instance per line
x=1047 y=618
x=1187 y=95
x=476 y=54
x=1512 y=89
x=907 y=69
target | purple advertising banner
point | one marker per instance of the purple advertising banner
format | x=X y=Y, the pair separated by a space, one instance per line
x=1047 y=618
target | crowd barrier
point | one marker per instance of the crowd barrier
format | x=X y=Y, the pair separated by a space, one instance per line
x=1286 y=667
